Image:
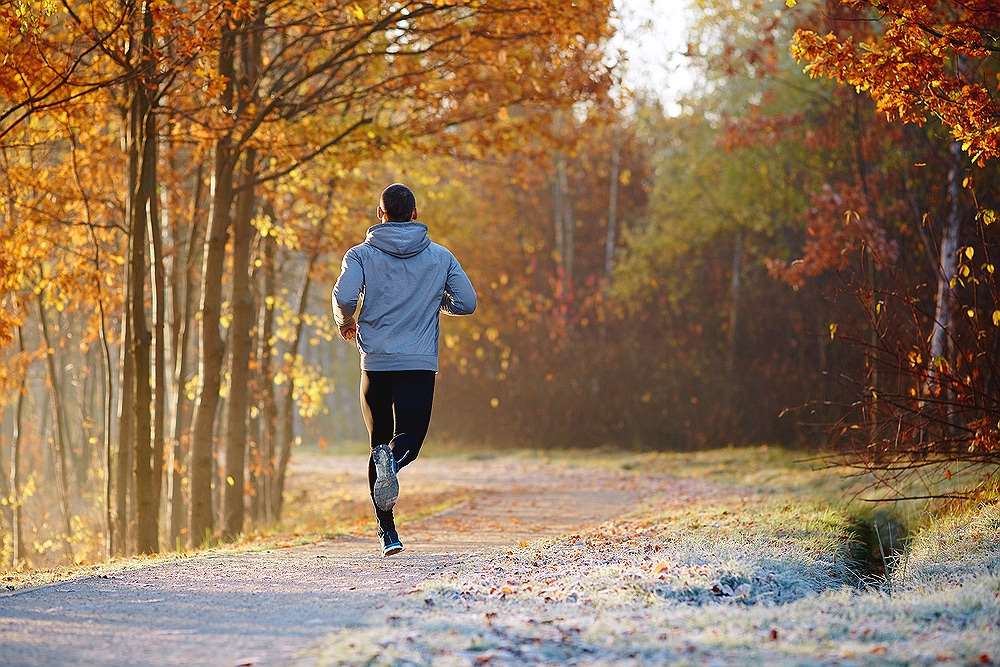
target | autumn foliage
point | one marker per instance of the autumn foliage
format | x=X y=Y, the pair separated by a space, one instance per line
x=801 y=250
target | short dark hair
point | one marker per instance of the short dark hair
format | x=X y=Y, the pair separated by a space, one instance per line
x=398 y=203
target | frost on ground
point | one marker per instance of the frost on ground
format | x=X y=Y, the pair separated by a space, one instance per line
x=740 y=579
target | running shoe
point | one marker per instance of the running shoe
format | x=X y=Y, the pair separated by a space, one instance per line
x=386 y=491
x=390 y=543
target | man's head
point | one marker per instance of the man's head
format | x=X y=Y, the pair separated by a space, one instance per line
x=397 y=204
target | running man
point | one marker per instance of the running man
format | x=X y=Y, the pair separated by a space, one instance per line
x=402 y=280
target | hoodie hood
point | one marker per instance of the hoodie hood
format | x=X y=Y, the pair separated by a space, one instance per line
x=399 y=239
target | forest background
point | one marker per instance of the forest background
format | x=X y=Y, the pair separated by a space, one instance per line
x=796 y=246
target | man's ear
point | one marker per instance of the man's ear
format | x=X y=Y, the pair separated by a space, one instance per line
x=413 y=216
x=380 y=214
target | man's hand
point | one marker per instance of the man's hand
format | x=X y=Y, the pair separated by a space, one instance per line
x=349 y=331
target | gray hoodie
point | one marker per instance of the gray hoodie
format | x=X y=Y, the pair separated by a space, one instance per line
x=403 y=280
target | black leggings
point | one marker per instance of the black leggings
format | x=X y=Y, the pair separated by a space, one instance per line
x=396 y=406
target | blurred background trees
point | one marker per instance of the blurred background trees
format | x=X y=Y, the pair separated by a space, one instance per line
x=786 y=256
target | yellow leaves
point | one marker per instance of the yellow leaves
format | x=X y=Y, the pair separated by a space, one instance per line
x=357 y=12
x=191 y=388
x=915 y=358
x=230 y=480
x=791 y=3
x=996 y=318
x=494 y=402
x=833 y=330
x=970 y=312
x=970 y=252
x=988 y=216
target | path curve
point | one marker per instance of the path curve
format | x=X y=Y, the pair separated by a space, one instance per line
x=264 y=607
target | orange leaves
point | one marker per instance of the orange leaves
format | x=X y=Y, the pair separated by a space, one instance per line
x=920 y=66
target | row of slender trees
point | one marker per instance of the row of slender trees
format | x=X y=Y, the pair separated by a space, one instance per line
x=180 y=177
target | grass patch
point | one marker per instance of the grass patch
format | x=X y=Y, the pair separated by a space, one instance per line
x=759 y=566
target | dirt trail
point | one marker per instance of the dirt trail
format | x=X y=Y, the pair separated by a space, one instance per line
x=265 y=607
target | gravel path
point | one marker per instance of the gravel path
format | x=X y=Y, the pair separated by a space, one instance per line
x=266 y=607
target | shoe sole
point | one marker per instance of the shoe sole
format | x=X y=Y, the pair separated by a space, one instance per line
x=392 y=550
x=386 y=491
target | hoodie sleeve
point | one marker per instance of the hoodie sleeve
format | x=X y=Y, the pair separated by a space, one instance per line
x=348 y=289
x=459 y=294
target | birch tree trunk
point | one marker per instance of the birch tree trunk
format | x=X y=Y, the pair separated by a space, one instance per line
x=947 y=261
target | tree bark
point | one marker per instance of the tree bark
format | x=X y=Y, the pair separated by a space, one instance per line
x=108 y=407
x=265 y=384
x=568 y=224
x=735 y=288
x=202 y=521
x=16 y=530
x=123 y=457
x=610 y=239
x=288 y=408
x=182 y=411
x=239 y=346
x=144 y=218
x=947 y=261
x=159 y=344
x=240 y=332
x=60 y=437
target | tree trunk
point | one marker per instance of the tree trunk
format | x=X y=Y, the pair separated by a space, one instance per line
x=108 y=396
x=159 y=344
x=613 y=186
x=182 y=411
x=239 y=346
x=16 y=530
x=210 y=362
x=948 y=262
x=735 y=293
x=123 y=458
x=240 y=332
x=268 y=407
x=144 y=218
x=60 y=437
x=568 y=224
x=146 y=534
x=288 y=408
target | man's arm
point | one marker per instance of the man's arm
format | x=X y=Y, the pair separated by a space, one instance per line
x=346 y=293
x=459 y=294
